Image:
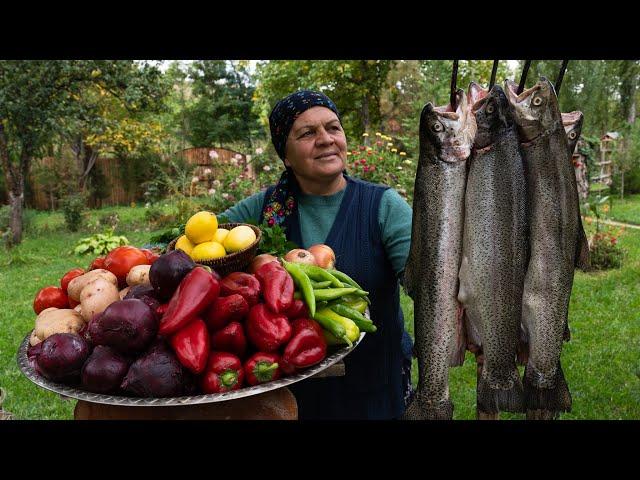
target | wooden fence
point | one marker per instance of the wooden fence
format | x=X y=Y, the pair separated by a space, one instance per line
x=118 y=195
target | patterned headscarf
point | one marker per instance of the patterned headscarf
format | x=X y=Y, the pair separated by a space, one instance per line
x=282 y=201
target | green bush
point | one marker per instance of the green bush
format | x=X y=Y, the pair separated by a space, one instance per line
x=73 y=208
x=100 y=244
x=604 y=251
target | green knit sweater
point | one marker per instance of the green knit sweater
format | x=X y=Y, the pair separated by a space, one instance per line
x=318 y=212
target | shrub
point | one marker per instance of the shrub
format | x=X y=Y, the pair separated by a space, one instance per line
x=604 y=251
x=73 y=208
x=100 y=243
x=382 y=162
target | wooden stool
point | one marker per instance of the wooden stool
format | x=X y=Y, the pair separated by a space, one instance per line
x=277 y=404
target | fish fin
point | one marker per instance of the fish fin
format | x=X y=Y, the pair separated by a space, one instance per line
x=460 y=340
x=494 y=400
x=582 y=249
x=567 y=333
x=555 y=399
x=421 y=408
x=522 y=349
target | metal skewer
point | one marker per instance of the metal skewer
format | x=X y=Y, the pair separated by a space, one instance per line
x=561 y=76
x=494 y=70
x=454 y=79
x=523 y=77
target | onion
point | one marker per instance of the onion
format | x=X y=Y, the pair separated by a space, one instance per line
x=298 y=255
x=324 y=255
x=260 y=260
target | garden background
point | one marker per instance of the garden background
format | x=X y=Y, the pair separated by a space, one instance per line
x=133 y=149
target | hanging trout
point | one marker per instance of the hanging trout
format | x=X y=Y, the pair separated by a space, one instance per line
x=572 y=123
x=431 y=272
x=557 y=242
x=494 y=258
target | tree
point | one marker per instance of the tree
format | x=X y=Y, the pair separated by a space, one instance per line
x=41 y=99
x=355 y=86
x=221 y=111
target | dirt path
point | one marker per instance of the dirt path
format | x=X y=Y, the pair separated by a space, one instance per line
x=614 y=223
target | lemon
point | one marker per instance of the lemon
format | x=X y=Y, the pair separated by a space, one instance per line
x=220 y=235
x=207 y=251
x=201 y=227
x=184 y=244
x=239 y=238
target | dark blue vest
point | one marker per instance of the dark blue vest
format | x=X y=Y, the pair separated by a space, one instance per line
x=372 y=387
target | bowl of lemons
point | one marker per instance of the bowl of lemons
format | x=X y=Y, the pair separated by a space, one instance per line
x=226 y=247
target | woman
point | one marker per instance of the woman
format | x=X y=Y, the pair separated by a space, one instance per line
x=369 y=228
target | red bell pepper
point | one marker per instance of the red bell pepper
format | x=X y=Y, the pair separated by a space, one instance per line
x=224 y=372
x=262 y=367
x=305 y=349
x=162 y=309
x=301 y=323
x=243 y=284
x=197 y=290
x=191 y=345
x=230 y=339
x=277 y=287
x=297 y=309
x=266 y=268
x=225 y=310
x=267 y=330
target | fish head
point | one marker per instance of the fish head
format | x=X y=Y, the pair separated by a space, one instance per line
x=535 y=109
x=493 y=114
x=445 y=134
x=572 y=123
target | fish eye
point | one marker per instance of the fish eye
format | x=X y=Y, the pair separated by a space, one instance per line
x=537 y=101
x=437 y=127
x=572 y=135
x=490 y=108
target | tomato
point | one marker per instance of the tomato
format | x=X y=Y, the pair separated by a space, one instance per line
x=70 y=275
x=97 y=263
x=50 y=297
x=151 y=256
x=122 y=259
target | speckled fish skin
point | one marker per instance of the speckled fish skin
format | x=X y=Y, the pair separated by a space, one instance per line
x=431 y=272
x=572 y=123
x=554 y=243
x=494 y=255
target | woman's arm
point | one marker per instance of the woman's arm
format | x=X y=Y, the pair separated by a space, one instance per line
x=247 y=209
x=395 y=216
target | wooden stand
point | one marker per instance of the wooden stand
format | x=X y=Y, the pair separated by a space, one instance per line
x=277 y=404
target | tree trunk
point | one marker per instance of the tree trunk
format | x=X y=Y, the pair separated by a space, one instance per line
x=622 y=185
x=15 y=185
x=89 y=160
x=365 y=117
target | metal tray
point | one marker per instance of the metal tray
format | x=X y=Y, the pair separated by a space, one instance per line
x=334 y=355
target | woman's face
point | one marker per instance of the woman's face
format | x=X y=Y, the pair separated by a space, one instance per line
x=316 y=145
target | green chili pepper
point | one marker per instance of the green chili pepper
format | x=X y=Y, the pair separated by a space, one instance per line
x=332 y=325
x=360 y=320
x=320 y=305
x=357 y=303
x=332 y=293
x=344 y=278
x=319 y=285
x=319 y=274
x=352 y=332
x=302 y=281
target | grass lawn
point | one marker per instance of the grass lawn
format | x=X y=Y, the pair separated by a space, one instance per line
x=601 y=363
x=627 y=210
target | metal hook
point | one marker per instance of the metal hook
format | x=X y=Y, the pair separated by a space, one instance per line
x=494 y=70
x=454 y=80
x=563 y=68
x=523 y=77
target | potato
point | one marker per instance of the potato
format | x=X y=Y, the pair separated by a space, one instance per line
x=123 y=292
x=56 y=320
x=74 y=290
x=78 y=309
x=139 y=275
x=34 y=340
x=96 y=296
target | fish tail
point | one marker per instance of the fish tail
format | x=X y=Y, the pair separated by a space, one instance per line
x=553 y=397
x=460 y=340
x=522 y=348
x=566 y=336
x=422 y=408
x=495 y=400
x=582 y=249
